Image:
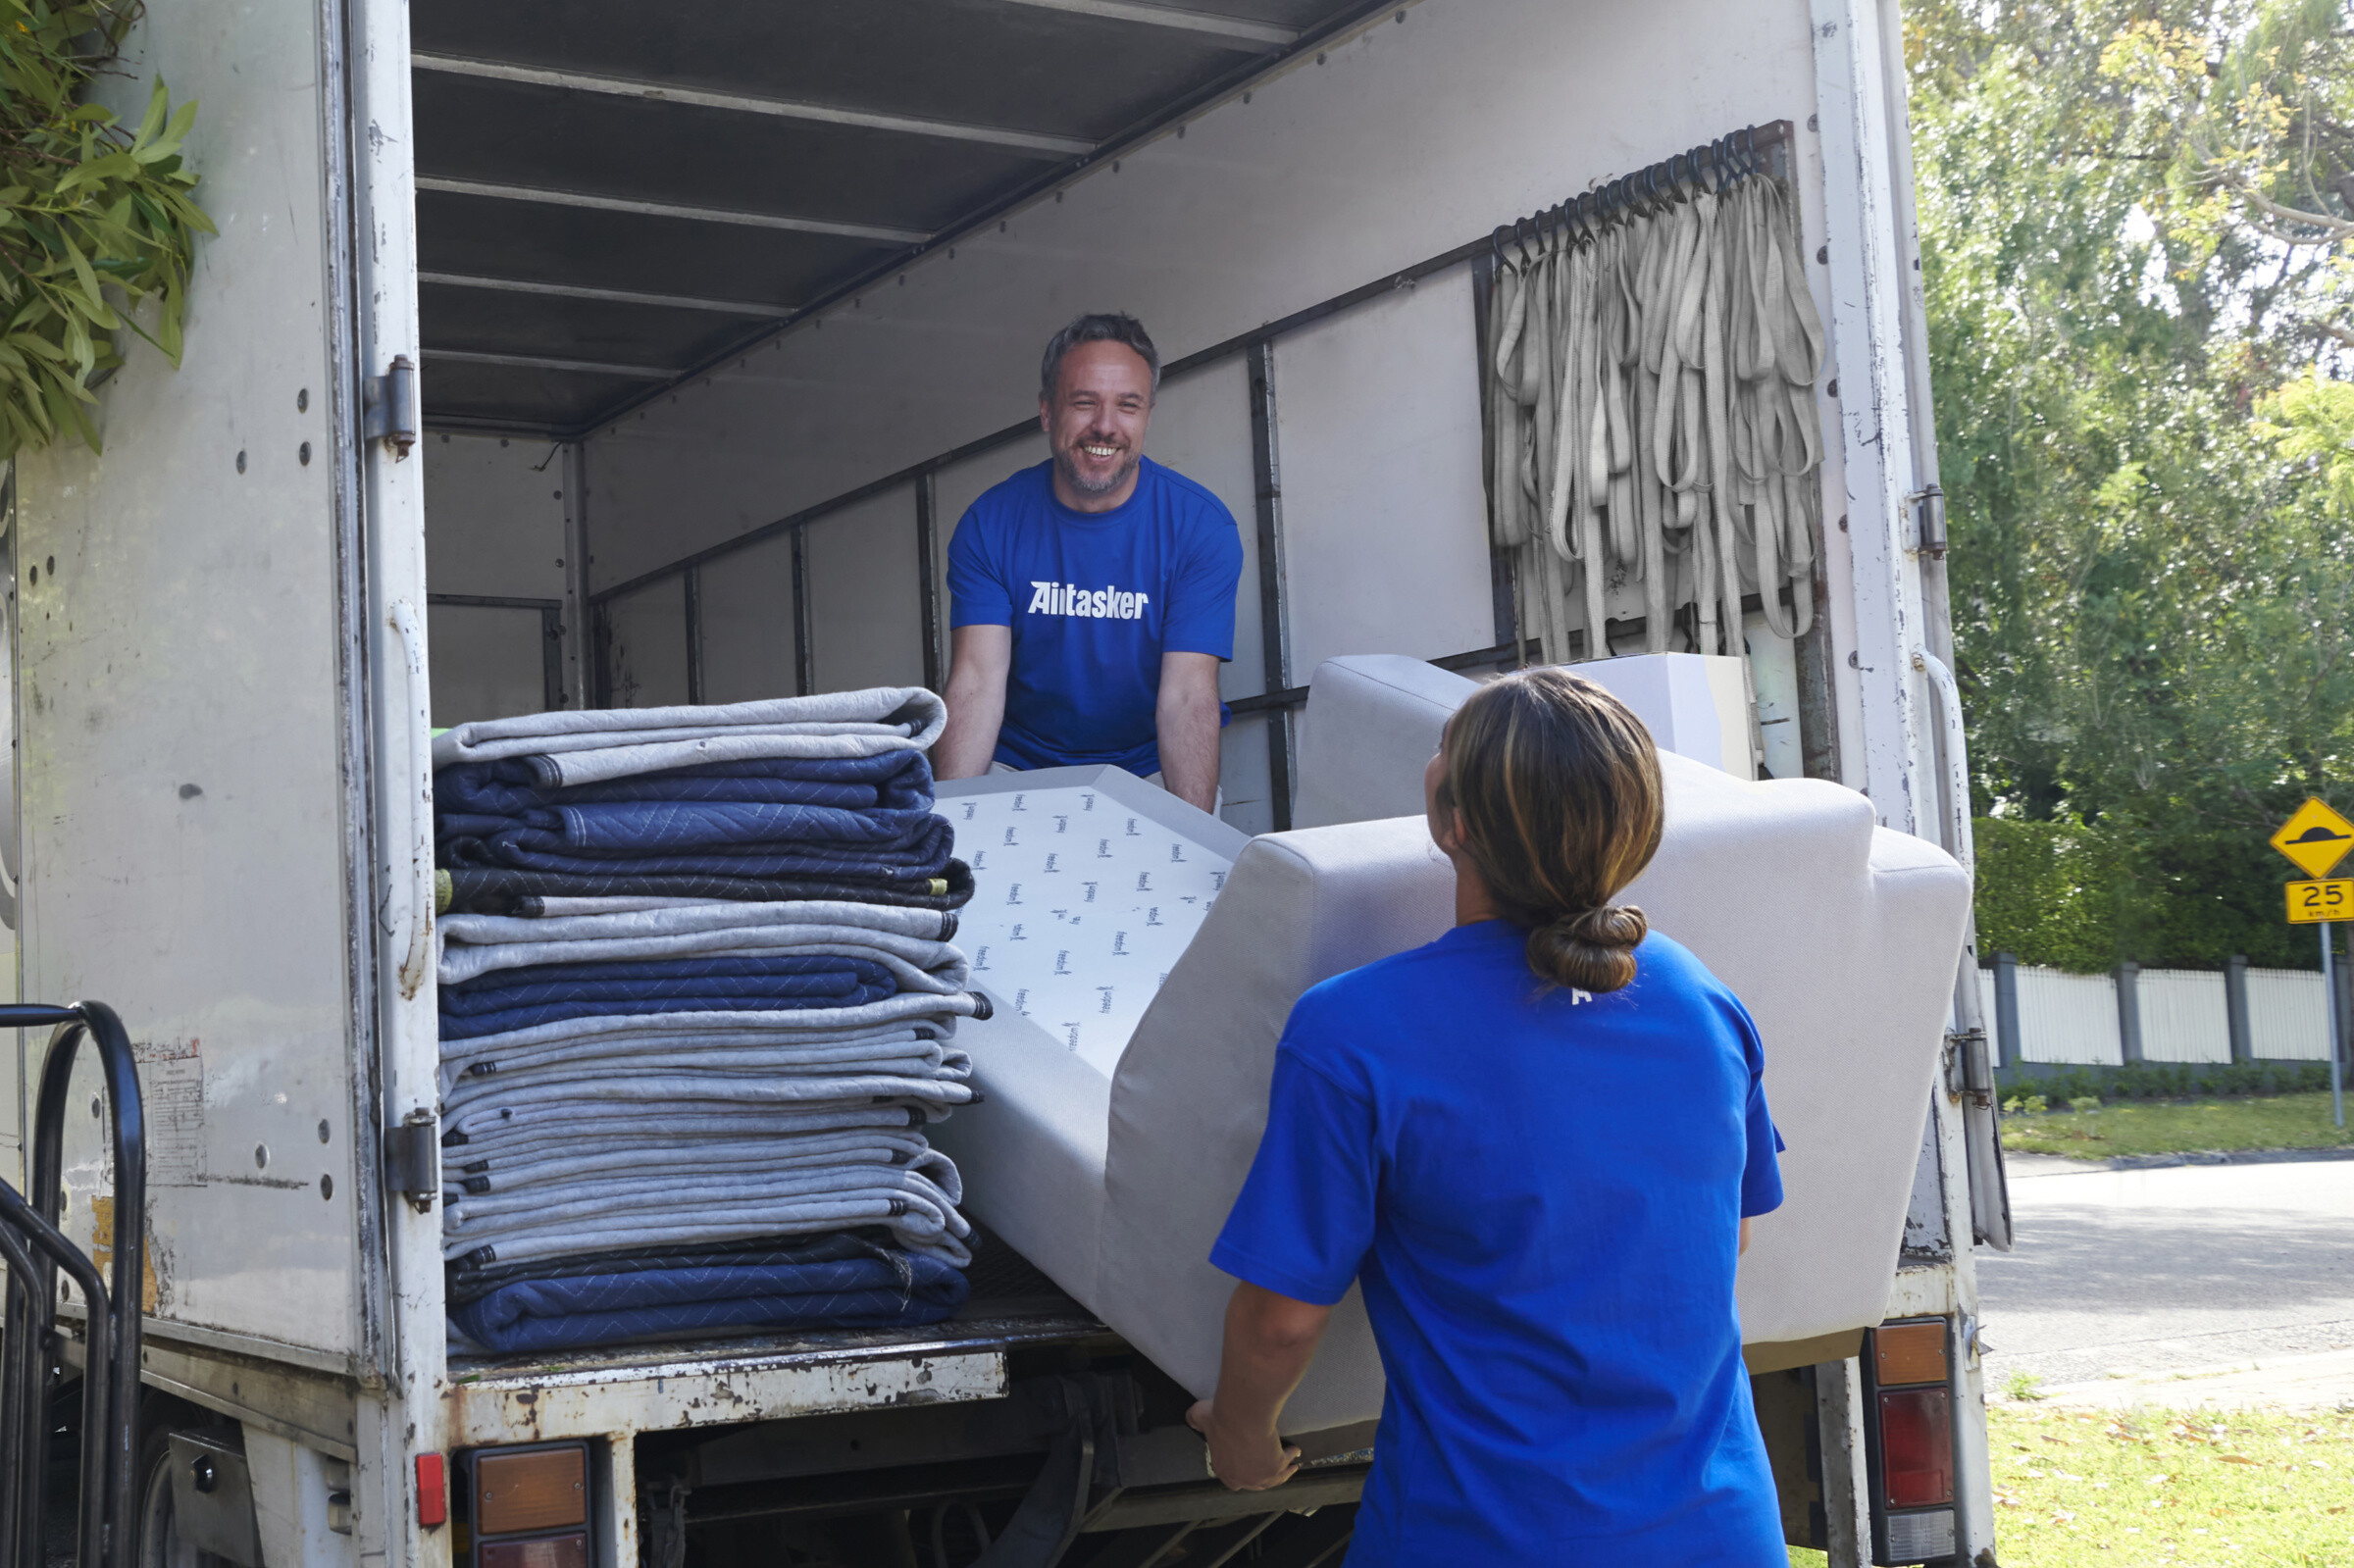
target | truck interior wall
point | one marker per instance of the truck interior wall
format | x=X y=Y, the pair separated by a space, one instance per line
x=865 y=595
x=751 y=624
x=498 y=526
x=1403 y=143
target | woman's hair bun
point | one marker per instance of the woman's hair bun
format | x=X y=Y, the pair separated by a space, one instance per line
x=1590 y=950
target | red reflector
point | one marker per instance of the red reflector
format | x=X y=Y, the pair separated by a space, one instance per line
x=549 y=1552
x=1916 y=1449
x=433 y=1491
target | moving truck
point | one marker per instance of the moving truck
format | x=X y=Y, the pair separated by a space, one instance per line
x=599 y=354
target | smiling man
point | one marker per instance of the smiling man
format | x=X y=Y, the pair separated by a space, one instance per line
x=1093 y=595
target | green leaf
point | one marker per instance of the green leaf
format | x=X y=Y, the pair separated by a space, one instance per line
x=159 y=102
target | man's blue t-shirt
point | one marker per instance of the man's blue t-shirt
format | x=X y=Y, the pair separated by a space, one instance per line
x=1542 y=1191
x=1095 y=599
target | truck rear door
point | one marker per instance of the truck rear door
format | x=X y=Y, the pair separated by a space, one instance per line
x=204 y=610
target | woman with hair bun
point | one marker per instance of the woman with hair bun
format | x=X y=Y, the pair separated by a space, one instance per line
x=1537 y=1143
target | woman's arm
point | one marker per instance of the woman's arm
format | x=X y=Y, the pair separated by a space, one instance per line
x=1270 y=1340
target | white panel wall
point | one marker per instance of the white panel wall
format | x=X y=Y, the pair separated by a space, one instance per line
x=2288 y=1016
x=865 y=595
x=2184 y=1017
x=747 y=616
x=1378 y=448
x=494 y=516
x=648 y=650
x=2068 y=1018
x=486 y=662
x=1410 y=140
x=498 y=525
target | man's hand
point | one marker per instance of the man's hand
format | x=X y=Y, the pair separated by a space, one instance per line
x=1186 y=718
x=980 y=656
x=1248 y=1460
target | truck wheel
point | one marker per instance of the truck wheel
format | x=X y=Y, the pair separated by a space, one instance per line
x=159 y=1545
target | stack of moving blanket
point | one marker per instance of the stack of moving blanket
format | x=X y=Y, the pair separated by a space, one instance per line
x=697 y=1004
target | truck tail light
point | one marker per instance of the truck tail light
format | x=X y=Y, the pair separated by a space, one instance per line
x=1916 y=1449
x=433 y=1491
x=1909 y=1353
x=528 y=1491
x=549 y=1552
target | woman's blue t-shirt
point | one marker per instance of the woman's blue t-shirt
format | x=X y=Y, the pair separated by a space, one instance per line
x=1095 y=599
x=1541 y=1189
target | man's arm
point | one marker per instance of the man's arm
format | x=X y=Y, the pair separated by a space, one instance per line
x=979 y=657
x=1186 y=717
x=1270 y=1340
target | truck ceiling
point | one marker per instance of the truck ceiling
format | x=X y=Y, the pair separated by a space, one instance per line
x=612 y=197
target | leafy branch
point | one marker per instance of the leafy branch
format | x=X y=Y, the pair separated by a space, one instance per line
x=96 y=219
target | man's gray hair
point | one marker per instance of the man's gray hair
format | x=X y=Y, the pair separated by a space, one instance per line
x=1112 y=327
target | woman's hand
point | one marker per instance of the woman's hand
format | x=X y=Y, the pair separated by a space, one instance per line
x=1246 y=1461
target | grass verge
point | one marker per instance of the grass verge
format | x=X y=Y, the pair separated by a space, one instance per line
x=2178 y=1127
x=2076 y=1489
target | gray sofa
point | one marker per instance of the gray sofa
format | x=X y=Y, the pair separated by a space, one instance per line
x=1841 y=937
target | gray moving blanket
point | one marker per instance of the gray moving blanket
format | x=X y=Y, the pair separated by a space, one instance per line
x=587 y=748
x=911 y=942
x=916 y=1202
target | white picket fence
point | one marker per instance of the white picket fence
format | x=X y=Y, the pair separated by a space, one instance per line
x=2074 y=1020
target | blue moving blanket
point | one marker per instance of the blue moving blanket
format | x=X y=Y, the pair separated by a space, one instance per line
x=830 y=1281
x=898 y=779
x=508 y=999
x=918 y=847
x=503 y=891
x=481 y=807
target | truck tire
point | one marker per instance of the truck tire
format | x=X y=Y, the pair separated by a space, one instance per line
x=159 y=1545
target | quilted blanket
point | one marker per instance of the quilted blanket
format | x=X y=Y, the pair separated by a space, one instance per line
x=518 y=998
x=841 y=1281
x=912 y=944
x=510 y=787
x=529 y=1132
x=916 y=1202
x=920 y=851
x=508 y=890
x=577 y=747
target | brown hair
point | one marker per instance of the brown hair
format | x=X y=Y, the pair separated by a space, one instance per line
x=1554 y=789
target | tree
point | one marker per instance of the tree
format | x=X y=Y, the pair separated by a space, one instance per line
x=2150 y=579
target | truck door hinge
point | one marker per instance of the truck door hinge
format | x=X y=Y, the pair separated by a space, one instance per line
x=1967 y=1072
x=1928 y=521
x=388 y=407
x=413 y=1160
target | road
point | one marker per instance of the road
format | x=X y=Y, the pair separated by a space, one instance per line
x=2151 y=1274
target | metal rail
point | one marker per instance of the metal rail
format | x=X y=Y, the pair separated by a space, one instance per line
x=35 y=1250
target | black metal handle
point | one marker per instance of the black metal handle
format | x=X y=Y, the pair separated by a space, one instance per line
x=35 y=1250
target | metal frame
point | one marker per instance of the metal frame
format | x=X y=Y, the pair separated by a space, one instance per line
x=551 y=634
x=1261 y=68
x=1274 y=626
x=1277 y=694
x=35 y=1249
x=677 y=93
x=926 y=561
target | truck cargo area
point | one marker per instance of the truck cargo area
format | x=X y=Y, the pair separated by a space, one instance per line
x=720 y=317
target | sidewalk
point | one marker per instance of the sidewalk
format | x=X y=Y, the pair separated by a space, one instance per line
x=2323 y=1382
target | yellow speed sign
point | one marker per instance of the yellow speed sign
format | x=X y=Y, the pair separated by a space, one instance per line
x=2310 y=903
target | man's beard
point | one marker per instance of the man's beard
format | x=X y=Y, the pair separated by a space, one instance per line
x=1067 y=464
